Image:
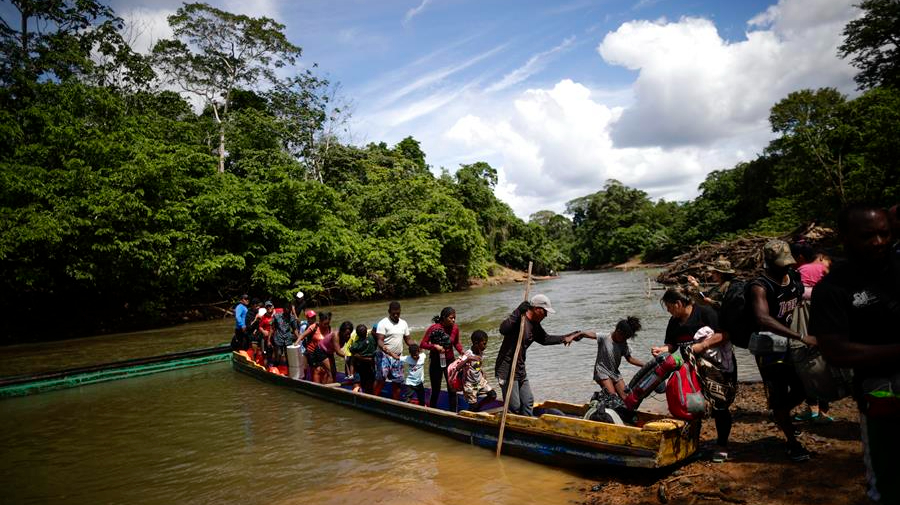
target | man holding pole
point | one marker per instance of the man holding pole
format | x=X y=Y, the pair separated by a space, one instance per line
x=529 y=316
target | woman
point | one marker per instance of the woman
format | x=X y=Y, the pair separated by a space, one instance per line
x=697 y=327
x=440 y=339
x=334 y=344
x=316 y=356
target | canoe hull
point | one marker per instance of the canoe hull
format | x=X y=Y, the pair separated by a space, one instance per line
x=522 y=437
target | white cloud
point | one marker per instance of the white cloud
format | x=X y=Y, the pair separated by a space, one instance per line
x=695 y=88
x=415 y=11
x=143 y=27
x=699 y=103
x=534 y=65
x=553 y=145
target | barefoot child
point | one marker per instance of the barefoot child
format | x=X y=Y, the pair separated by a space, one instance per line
x=610 y=351
x=476 y=390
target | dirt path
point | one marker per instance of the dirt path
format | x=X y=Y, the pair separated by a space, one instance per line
x=758 y=471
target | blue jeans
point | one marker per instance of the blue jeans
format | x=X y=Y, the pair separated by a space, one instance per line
x=521 y=399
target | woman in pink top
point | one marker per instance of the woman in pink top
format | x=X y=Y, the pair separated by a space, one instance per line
x=332 y=345
x=316 y=355
x=440 y=340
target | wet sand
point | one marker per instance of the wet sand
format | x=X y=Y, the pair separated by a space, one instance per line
x=758 y=470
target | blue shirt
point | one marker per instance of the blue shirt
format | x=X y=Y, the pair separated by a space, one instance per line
x=240 y=314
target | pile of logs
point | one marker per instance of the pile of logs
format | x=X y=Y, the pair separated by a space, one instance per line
x=745 y=254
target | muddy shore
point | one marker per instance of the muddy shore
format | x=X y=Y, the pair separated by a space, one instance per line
x=758 y=471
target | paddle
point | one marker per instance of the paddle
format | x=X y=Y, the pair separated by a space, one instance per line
x=512 y=366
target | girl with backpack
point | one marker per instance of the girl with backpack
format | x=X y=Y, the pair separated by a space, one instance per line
x=685 y=323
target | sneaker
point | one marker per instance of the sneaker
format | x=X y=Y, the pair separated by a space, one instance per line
x=797 y=452
x=823 y=419
x=806 y=415
x=719 y=457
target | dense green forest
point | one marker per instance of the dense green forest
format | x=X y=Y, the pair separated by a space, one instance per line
x=120 y=204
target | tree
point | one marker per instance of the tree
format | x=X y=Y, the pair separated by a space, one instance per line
x=813 y=148
x=217 y=52
x=59 y=39
x=874 y=43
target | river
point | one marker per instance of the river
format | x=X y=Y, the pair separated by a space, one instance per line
x=209 y=434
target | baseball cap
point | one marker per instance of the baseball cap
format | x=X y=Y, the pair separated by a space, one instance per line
x=543 y=302
x=310 y=313
x=269 y=303
x=299 y=294
x=245 y=297
x=778 y=253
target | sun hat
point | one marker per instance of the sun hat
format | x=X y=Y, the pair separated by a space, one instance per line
x=721 y=265
x=543 y=302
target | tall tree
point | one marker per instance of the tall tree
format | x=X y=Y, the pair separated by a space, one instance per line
x=874 y=43
x=215 y=52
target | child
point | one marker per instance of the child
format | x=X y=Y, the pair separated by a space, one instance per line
x=610 y=351
x=476 y=390
x=415 y=374
x=362 y=351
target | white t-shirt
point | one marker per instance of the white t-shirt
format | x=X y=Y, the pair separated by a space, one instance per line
x=393 y=334
x=415 y=371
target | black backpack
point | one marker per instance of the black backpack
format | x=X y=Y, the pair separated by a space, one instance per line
x=735 y=316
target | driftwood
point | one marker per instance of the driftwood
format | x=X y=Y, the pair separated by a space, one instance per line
x=745 y=254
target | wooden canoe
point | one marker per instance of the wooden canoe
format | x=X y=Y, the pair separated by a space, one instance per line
x=561 y=440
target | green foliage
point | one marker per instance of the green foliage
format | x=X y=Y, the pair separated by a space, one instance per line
x=873 y=41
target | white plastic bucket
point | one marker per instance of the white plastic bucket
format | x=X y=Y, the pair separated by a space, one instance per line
x=294 y=366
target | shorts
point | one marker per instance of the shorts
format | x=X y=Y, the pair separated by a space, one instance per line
x=784 y=390
x=472 y=390
x=388 y=369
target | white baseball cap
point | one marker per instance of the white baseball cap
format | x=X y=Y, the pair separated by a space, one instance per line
x=299 y=294
x=543 y=302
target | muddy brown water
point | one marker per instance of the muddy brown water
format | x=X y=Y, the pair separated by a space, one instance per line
x=212 y=435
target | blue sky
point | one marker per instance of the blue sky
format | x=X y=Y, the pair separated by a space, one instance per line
x=561 y=96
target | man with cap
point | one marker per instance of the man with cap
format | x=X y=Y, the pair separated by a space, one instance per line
x=773 y=297
x=240 y=341
x=521 y=398
x=721 y=273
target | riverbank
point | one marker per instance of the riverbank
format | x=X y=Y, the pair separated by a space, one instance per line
x=500 y=275
x=758 y=471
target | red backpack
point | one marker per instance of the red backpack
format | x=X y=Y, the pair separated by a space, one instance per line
x=684 y=395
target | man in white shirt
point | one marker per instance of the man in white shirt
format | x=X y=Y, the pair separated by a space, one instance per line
x=391 y=333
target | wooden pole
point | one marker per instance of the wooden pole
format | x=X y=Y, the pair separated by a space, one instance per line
x=512 y=367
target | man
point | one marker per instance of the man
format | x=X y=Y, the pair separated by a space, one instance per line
x=521 y=399
x=240 y=340
x=391 y=333
x=856 y=313
x=773 y=298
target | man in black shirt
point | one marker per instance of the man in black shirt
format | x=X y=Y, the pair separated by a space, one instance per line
x=521 y=399
x=773 y=297
x=856 y=313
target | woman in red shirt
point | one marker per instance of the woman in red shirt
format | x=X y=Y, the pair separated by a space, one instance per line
x=440 y=340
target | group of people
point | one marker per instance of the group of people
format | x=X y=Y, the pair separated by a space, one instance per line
x=851 y=314
x=373 y=358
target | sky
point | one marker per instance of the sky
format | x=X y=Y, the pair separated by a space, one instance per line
x=560 y=96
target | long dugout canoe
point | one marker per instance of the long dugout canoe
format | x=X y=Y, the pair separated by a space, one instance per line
x=560 y=440
x=23 y=385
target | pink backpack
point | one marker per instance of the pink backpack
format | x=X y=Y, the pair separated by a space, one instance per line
x=456 y=373
x=684 y=395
